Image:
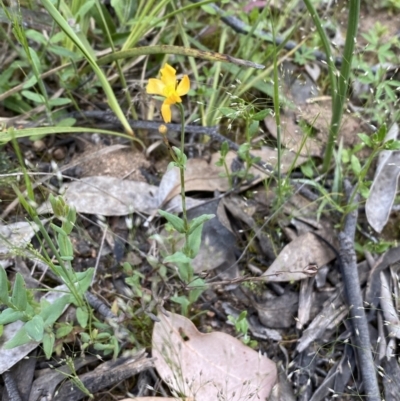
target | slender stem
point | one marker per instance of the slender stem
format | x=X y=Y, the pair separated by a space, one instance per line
x=343 y=81
x=182 y=174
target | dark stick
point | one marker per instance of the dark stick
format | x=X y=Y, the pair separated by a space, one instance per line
x=359 y=322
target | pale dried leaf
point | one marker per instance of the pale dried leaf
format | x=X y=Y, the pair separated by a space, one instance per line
x=109 y=196
x=156 y=399
x=390 y=314
x=16 y=236
x=384 y=187
x=300 y=259
x=205 y=365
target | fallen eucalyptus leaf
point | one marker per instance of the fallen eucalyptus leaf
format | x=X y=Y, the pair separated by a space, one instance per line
x=209 y=366
x=109 y=196
x=384 y=187
x=300 y=259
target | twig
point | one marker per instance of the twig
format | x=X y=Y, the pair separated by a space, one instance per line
x=359 y=322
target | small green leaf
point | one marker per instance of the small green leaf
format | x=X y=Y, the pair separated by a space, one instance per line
x=61 y=101
x=175 y=221
x=253 y=128
x=381 y=133
x=392 y=145
x=199 y=221
x=208 y=9
x=84 y=280
x=262 y=114
x=30 y=82
x=177 y=257
x=64 y=330
x=227 y=112
x=365 y=139
x=10 y=316
x=35 y=328
x=102 y=347
x=355 y=165
x=19 y=295
x=51 y=312
x=224 y=148
x=35 y=97
x=3 y=286
x=66 y=122
x=20 y=338
x=48 y=344
x=194 y=241
x=82 y=316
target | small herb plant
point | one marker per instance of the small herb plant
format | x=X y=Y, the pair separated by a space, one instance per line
x=242 y=328
x=171 y=91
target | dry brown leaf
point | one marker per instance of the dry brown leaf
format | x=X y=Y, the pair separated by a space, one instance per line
x=300 y=259
x=201 y=175
x=209 y=366
x=109 y=196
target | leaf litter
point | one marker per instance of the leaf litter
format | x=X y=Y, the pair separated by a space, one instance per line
x=300 y=304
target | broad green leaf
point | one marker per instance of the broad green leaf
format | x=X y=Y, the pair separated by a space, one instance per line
x=197 y=287
x=355 y=164
x=48 y=344
x=365 y=139
x=10 y=316
x=253 y=128
x=3 y=286
x=66 y=122
x=35 y=328
x=199 y=221
x=175 y=221
x=19 y=295
x=177 y=257
x=51 y=312
x=20 y=338
x=61 y=101
x=35 y=59
x=64 y=330
x=84 y=280
x=30 y=82
x=262 y=114
x=102 y=347
x=35 y=97
x=82 y=316
x=194 y=241
x=381 y=133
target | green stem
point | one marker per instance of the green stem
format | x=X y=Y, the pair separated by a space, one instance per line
x=343 y=81
x=182 y=176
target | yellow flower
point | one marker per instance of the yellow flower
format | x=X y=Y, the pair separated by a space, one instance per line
x=167 y=87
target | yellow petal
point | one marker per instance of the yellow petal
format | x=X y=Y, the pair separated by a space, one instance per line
x=168 y=75
x=166 y=112
x=155 y=87
x=172 y=99
x=184 y=86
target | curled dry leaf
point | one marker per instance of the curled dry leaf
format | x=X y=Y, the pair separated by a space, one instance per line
x=300 y=259
x=384 y=187
x=209 y=366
